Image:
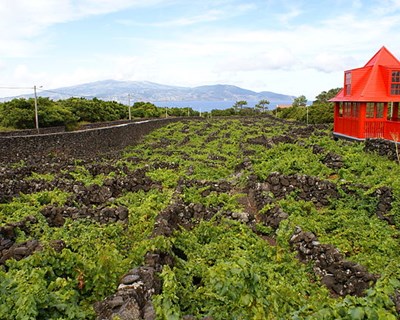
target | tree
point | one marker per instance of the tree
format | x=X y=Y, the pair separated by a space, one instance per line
x=300 y=101
x=239 y=105
x=321 y=111
x=224 y=112
x=146 y=110
x=324 y=96
x=55 y=115
x=262 y=105
x=95 y=110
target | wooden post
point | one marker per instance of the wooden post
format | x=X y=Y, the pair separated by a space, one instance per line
x=363 y=114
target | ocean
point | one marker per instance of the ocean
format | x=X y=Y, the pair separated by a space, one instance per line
x=204 y=106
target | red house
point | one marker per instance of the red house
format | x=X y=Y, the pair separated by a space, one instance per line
x=368 y=104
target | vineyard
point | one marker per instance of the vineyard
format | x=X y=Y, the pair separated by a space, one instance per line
x=237 y=218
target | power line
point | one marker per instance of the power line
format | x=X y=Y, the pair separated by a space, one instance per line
x=18 y=88
x=66 y=94
x=44 y=90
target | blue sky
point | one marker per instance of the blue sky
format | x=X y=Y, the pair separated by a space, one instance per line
x=291 y=47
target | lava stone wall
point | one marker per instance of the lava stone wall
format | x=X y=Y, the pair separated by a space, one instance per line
x=80 y=144
x=382 y=147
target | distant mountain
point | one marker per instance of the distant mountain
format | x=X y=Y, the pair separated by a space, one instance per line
x=152 y=92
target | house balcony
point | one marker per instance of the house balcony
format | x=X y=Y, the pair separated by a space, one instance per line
x=392 y=130
x=369 y=128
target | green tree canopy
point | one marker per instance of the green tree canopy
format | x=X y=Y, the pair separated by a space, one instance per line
x=321 y=110
x=239 y=104
x=324 y=96
x=18 y=113
x=262 y=105
x=300 y=101
x=146 y=110
x=95 y=110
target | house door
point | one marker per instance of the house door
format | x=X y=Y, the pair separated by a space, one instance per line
x=375 y=122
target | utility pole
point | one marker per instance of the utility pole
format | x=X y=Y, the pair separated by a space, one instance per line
x=36 y=110
x=129 y=106
x=307 y=114
x=166 y=112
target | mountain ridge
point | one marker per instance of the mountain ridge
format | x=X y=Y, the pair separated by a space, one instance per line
x=123 y=91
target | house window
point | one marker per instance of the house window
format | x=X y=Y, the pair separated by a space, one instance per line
x=394 y=111
x=379 y=110
x=395 y=85
x=356 y=110
x=347 y=109
x=340 y=111
x=370 y=109
x=347 y=83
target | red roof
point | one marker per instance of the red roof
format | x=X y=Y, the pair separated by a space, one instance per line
x=373 y=81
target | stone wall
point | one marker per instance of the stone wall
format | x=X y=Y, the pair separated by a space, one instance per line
x=342 y=277
x=382 y=147
x=81 y=144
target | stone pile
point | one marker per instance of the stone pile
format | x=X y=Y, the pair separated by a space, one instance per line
x=216 y=157
x=303 y=132
x=165 y=165
x=184 y=141
x=320 y=192
x=56 y=216
x=385 y=198
x=270 y=142
x=100 y=168
x=212 y=136
x=111 y=188
x=220 y=186
x=9 y=249
x=12 y=185
x=178 y=214
x=10 y=188
x=260 y=191
x=338 y=275
x=282 y=139
x=8 y=231
x=260 y=140
x=382 y=147
x=132 y=301
x=331 y=159
x=273 y=217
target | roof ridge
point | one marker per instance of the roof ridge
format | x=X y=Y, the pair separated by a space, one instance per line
x=382 y=57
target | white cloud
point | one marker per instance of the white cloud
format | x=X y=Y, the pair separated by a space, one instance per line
x=259 y=55
x=293 y=12
x=23 y=20
x=331 y=62
x=275 y=58
x=69 y=79
x=95 y=7
x=22 y=74
x=384 y=7
x=208 y=15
